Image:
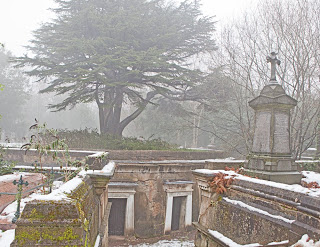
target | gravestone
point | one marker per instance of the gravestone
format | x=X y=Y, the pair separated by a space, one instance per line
x=271 y=156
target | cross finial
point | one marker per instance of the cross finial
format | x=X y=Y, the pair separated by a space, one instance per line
x=274 y=61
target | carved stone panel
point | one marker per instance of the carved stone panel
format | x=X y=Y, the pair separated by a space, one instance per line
x=261 y=139
x=281 y=133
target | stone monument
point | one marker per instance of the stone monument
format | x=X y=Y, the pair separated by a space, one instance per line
x=271 y=157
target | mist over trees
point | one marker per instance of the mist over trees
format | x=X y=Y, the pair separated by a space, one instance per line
x=139 y=60
x=117 y=52
x=13 y=97
x=239 y=71
x=21 y=104
x=292 y=30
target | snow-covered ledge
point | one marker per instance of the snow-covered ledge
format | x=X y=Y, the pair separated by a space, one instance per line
x=251 y=205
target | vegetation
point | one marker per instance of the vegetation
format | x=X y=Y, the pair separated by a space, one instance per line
x=118 y=52
x=91 y=139
x=6 y=167
x=47 y=142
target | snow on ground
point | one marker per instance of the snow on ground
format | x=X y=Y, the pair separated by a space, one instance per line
x=292 y=187
x=6 y=238
x=311 y=177
x=14 y=176
x=306 y=242
x=167 y=243
x=8 y=212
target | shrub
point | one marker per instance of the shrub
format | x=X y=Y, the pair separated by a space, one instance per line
x=91 y=139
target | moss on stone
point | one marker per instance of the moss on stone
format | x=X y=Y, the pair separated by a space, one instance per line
x=52 y=234
x=55 y=235
x=27 y=235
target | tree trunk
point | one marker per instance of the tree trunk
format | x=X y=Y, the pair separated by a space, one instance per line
x=110 y=114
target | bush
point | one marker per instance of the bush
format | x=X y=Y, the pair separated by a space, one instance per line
x=91 y=139
x=6 y=167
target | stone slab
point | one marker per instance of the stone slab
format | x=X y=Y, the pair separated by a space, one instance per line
x=279 y=177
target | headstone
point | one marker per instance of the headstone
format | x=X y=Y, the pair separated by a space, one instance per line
x=271 y=156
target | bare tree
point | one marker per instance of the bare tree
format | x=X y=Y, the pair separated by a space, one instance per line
x=290 y=28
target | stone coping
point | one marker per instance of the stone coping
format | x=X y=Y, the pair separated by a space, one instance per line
x=179 y=182
x=224 y=161
x=122 y=184
x=294 y=195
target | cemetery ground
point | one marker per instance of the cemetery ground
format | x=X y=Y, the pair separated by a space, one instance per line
x=310 y=182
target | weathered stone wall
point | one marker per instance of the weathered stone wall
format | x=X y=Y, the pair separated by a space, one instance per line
x=164 y=155
x=72 y=222
x=150 y=197
x=252 y=212
x=21 y=157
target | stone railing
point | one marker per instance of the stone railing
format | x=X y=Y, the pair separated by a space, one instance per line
x=255 y=211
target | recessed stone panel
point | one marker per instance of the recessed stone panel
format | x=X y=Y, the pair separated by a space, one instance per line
x=261 y=139
x=281 y=133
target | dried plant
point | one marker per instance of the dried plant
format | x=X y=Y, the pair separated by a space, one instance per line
x=220 y=182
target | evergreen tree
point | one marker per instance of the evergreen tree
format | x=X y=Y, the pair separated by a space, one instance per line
x=114 y=52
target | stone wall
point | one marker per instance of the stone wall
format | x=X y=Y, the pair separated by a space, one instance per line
x=150 y=197
x=73 y=221
x=164 y=155
x=22 y=157
x=254 y=212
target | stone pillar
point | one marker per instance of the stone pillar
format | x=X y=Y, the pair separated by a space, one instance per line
x=271 y=156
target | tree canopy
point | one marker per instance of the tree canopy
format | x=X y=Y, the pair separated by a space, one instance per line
x=114 y=52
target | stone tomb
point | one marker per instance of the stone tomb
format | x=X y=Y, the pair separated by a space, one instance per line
x=271 y=156
x=255 y=211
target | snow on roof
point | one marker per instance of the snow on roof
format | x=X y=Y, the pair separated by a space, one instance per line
x=98 y=155
x=107 y=170
x=307 y=161
x=211 y=172
x=253 y=209
x=231 y=243
x=292 y=187
x=62 y=192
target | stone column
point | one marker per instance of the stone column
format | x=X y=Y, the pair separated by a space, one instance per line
x=271 y=157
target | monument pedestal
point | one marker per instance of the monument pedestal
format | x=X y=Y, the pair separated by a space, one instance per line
x=270 y=158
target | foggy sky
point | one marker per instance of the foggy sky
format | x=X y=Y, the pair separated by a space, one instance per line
x=18 y=18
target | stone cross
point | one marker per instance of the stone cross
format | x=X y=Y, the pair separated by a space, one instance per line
x=19 y=196
x=274 y=61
